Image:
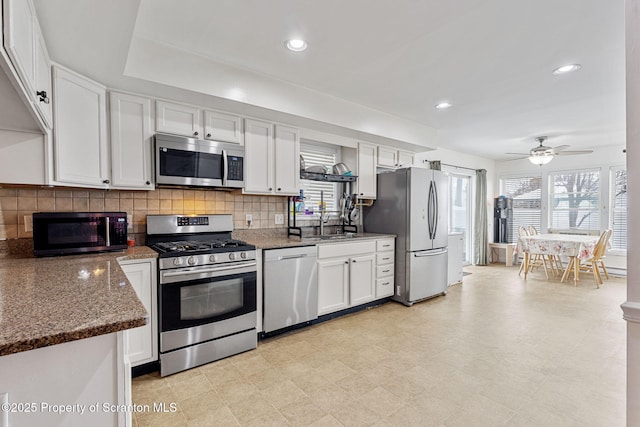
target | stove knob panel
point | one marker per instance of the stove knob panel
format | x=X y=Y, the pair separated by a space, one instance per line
x=212 y=258
x=243 y=255
x=232 y=256
x=192 y=260
x=177 y=261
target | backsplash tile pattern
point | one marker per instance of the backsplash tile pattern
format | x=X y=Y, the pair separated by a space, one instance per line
x=15 y=203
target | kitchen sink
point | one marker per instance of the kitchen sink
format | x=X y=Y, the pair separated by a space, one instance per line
x=329 y=237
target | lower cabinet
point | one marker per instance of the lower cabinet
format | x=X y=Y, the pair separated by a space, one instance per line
x=141 y=344
x=347 y=275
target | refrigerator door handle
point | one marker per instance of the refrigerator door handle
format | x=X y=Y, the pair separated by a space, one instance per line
x=436 y=210
x=430 y=253
x=430 y=210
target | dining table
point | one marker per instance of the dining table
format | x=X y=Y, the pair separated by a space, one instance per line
x=573 y=247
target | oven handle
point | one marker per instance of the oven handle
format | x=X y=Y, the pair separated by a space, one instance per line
x=187 y=274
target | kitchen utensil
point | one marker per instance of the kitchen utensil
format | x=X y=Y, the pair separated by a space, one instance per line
x=354 y=214
x=317 y=169
x=302 y=164
x=340 y=169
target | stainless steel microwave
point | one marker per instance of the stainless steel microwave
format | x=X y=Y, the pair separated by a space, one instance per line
x=63 y=233
x=198 y=163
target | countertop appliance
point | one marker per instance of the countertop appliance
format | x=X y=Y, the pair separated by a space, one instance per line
x=198 y=163
x=412 y=204
x=206 y=290
x=290 y=287
x=65 y=233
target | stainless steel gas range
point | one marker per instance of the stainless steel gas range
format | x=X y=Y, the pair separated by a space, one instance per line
x=206 y=290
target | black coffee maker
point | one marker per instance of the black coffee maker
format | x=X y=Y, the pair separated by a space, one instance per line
x=503 y=220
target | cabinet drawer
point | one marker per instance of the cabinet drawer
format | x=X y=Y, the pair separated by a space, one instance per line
x=346 y=249
x=384 y=287
x=385 y=245
x=384 y=270
x=384 y=258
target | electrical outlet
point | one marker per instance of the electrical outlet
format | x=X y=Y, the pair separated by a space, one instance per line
x=129 y=222
x=28 y=223
x=279 y=219
x=4 y=415
x=249 y=219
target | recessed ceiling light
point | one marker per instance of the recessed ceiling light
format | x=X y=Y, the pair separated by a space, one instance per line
x=296 y=45
x=443 y=105
x=566 y=69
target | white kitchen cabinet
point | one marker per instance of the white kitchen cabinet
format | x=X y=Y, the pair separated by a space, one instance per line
x=222 y=127
x=178 y=119
x=346 y=275
x=392 y=158
x=80 y=130
x=131 y=141
x=141 y=344
x=272 y=159
x=385 y=268
x=455 y=258
x=28 y=53
x=366 y=184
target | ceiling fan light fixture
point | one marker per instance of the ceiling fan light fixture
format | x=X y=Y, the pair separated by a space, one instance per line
x=296 y=45
x=540 y=160
x=443 y=105
x=566 y=69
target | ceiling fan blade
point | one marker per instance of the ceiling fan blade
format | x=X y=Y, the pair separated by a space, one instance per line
x=560 y=148
x=526 y=156
x=519 y=154
x=574 y=152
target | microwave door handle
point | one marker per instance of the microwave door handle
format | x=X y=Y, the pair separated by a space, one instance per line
x=107 y=231
x=225 y=167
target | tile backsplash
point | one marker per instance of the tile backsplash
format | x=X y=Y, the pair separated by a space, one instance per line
x=15 y=203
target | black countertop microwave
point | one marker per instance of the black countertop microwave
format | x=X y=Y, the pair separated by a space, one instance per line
x=64 y=233
x=198 y=163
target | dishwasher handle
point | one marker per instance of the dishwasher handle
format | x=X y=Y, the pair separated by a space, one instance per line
x=280 y=258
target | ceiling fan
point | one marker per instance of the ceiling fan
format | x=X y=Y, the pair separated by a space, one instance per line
x=542 y=154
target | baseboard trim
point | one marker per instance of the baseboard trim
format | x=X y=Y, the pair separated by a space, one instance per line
x=631 y=311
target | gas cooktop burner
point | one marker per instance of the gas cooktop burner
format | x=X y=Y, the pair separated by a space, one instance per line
x=191 y=246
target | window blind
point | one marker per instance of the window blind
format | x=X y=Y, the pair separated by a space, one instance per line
x=618 y=215
x=526 y=193
x=319 y=155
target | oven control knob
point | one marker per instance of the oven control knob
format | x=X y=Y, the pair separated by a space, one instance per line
x=232 y=256
x=177 y=261
x=192 y=260
x=243 y=255
x=212 y=258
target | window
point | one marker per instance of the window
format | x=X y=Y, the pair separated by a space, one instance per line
x=319 y=155
x=575 y=200
x=618 y=214
x=526 y=194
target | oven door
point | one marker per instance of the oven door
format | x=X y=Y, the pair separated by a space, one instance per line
x=194 y=296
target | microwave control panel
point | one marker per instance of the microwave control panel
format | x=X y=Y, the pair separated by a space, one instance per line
x=235 y=169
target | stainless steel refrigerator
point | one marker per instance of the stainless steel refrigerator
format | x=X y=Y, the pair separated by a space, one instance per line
x=412 y=204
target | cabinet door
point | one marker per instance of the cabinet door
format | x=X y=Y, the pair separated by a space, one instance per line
x=42 y=78
x=286 y=166
x=333 y=285
x=387 y=157
x=366 y=171
x=131 y=141
x=362 y=279
x=222 y=127
x=80 y=134
x=258 y=142
x=405 y=158
x=19 y=24
x=142 y=341
x=178 y=119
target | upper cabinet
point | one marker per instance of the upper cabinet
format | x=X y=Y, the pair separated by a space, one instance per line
x=186 y=120
x=80 y=130
x=392 y=158
x=28 y=53
x=366 y=188
x=131 y=141
x=272 y=159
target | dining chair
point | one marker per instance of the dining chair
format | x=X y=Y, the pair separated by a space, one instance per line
x=535 y=260
x=522 y=232
x=554 y=260
x=593 y=264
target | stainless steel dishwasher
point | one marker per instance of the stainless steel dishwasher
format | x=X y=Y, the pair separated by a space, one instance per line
x=290 y=284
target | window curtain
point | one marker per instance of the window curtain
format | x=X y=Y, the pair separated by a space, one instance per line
x=480 y=238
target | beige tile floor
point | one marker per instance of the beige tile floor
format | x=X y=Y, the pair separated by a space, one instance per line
x=496 y=351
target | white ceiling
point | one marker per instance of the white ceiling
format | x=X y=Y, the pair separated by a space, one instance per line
x=492 y=59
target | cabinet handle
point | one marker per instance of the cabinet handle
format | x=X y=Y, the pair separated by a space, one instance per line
x=353 y=260
x=346 y=262
x=208 y=135
x=106 y=181
x=43 y=96
x=386 y=271
x=362 y=194
x=148 y=182
x=270 y=188
x=195 y=133
x=386 y=283
x=279 y=189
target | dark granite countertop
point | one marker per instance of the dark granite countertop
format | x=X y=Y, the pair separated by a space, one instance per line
x=48 y=301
